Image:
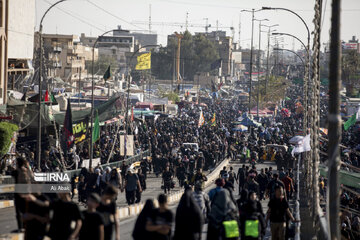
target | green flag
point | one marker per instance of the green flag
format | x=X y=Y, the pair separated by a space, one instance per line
x=351 y=121
x=96 y=129
x=107 y=74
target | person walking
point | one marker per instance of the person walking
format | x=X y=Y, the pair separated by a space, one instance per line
x=241 y=177
x=202 y=200
x=166 y=179
x=277 y=212
x=132 y=183
x=252 y=222
x=109 y=212
x=93 y=222
x=160 y=221
x=263 y=181
x=140 y=232
x=189 y=218
x=223 y=217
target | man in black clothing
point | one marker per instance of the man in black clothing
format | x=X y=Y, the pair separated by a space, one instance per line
x=160 y=221
x=167 y=178
x=263 y=181
x=93 y=222
x=277 y=212
x=60 y=223
x=142 y=180
x=273 y=184
x=241 y=177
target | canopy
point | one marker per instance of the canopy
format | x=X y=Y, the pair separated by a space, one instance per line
x=240 y=128
x=350 y=179
x=145 y=105
x=248 y=122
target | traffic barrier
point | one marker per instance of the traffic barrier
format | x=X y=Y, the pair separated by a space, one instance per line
x=135 y=209
x=12 y=236
x=7 y=188
x=173 y=198
x=123 y=212
x=6 y=204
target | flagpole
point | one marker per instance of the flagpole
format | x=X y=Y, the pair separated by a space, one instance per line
x=92 y=96
x=128 y=90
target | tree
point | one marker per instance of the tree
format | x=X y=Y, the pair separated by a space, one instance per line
x=350 y=68
x=196 y=55
x=101 y=65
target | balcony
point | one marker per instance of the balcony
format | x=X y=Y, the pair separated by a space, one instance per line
x=57 y=65
x=57 y=49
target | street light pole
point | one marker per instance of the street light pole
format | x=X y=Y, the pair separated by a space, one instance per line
x=258 y=67
x=251 y=52
x=128 y=90
x=92 y=96
x=38 y=145
x=268 y=53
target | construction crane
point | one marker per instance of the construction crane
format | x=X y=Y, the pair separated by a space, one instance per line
x=173 y=24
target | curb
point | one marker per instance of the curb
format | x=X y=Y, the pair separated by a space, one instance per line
x=6 y=204
x=134 y=210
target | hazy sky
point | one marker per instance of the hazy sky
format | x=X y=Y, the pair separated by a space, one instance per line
x=93 y=17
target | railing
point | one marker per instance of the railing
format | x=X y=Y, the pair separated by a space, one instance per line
x=116 y=164
x=5 y=181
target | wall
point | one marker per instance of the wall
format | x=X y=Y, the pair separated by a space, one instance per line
x=21 y=29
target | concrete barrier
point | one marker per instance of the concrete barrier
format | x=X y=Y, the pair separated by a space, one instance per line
x=134 y=210
x=7 y=188
x=6 y=204
x=12 y=236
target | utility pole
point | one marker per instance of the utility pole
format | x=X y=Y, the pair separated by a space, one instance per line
x=258 y=67
x=239 y=31
x=267 y=62
x=179 y=37
x=79 y=85
x=251 y=57
x=187 y=21
x=38 y=145
x=149 y=18
x=333 y=197
x=206 y=24
x=174 y=67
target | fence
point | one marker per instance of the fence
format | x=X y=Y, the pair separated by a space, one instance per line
x=7 y=182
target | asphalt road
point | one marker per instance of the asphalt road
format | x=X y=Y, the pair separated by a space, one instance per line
x=8 y=221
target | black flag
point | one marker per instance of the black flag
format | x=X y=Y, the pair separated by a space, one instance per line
x=68 y=135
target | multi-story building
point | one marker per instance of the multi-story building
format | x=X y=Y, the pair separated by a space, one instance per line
x=142 y=39
x=3 y=49
x=224 y=44
x=17 y=22
x=65 y=56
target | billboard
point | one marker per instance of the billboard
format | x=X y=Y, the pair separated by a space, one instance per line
x=350 y=46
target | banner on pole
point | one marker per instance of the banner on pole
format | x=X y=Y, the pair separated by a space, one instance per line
x=129 y=145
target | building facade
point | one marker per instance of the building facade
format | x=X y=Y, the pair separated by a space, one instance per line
x=3 y=49
x=65 y=56
x=141 y=39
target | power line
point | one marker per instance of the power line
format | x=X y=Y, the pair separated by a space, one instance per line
x=111 y=14
x=74 y=16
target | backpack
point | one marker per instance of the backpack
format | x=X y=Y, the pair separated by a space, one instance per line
x=252 y=226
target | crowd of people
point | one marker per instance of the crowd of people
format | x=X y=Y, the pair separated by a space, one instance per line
x=226 y=216
x=181 y=149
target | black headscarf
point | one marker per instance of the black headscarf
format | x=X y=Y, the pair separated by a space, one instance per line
x=189 y=218
x=139 y=229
